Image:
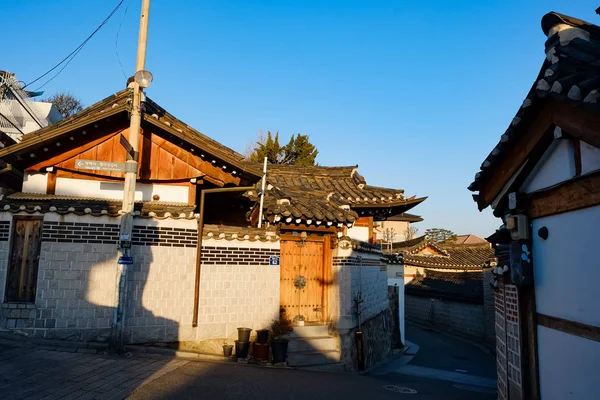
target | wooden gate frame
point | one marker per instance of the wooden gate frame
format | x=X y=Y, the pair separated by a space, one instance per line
x=327 y=267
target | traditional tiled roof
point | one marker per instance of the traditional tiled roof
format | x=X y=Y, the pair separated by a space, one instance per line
x=462 y=286
x=327 y=195
x=452 y=256
x=415 y=245
x=116 y=106
x=229 y=233
x=405 y=217
x=570 y=74
x=41 y=203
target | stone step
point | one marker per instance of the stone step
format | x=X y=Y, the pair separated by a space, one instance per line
x=306 y=358
x=310 y=331
x=319 y=343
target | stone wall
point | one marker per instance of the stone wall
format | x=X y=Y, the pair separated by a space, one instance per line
x=77 y=278
x=377 y=341
x=365 y=273
x=489 y=310
x=452 y=316
x=4 y=252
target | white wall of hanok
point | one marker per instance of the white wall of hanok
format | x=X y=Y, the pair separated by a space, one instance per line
x=37 y=183
x=359 y=233
x=566 y=272
x=366 y=276
x=558 y=165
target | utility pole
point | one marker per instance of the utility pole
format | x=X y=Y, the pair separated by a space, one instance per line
x=129 y=189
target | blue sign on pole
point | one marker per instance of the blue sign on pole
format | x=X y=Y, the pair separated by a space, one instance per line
x=274 y=260
x=126 y=260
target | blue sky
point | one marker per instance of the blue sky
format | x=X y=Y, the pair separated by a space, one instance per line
x=416 y=93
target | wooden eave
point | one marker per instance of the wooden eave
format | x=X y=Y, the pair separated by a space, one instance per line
x=197 y=142
x=38 y=139
x=533 y=141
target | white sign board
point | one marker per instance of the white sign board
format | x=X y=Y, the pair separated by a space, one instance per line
x=100 y=165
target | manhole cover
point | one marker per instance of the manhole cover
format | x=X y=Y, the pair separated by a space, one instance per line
x=399 y=389
x=474 y=388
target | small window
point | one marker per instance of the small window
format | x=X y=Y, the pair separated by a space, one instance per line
x=21 y=283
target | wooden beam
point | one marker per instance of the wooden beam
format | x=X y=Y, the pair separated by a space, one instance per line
x=71 y=153
x=511 y=162
x=571 y=327
x=192 y=193
x=214 y=174
x=327 y=278
x=577 y=156
x=572 y=195
x=310 y=228
x=578 y=122
x=51 y=182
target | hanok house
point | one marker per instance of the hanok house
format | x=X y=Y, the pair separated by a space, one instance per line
x=444 y=286
x=59 y=232
x=543 y=180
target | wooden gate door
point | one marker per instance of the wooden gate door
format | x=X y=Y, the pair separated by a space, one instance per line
x=25 y=255
x=302 y=277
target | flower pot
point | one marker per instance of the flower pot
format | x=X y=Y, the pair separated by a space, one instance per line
x=299 y=323
x=262 y=336
x=260 y=351
x=280 y=349
x=241 y=349
x=227 y=350
x=244 y=334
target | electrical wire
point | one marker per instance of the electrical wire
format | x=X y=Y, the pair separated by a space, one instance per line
x=117 y=38
x=74 y=53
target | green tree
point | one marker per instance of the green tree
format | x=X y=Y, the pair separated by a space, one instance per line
x=66 y=103
x=438 y=235
x=298 y=151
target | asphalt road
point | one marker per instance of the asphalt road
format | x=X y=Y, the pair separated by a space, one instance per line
x=440 y=351
x=230 y=381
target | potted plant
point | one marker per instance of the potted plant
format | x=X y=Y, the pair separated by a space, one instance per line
x=279 y=343
x=299 y=320
x=227 y=349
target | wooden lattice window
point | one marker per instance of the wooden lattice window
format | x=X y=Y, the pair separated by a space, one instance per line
x=21 y=280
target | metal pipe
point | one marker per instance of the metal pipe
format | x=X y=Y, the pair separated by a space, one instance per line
x=199 y=242
x=262 y=193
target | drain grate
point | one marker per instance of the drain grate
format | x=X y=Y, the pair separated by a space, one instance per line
x=399 y=389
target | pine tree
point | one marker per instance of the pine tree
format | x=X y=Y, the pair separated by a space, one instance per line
x=438 y=235
x=299 y=151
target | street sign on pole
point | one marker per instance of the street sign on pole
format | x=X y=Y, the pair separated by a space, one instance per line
x=101 y=165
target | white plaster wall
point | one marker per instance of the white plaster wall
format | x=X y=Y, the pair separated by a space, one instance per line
x=568 y=366
x=359 y=233
x=369 y=280
x=399 y=227
x=35 y=183
x=557 y=165
x=566 y=266
x=590 y=158
x=114 y=190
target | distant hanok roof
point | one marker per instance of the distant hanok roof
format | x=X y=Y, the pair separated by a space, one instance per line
x=41 y=144
x=330 y=195
x=459 y=286
x=468 y=239
x=422 y=252
x=566 y=90
x=405 y=217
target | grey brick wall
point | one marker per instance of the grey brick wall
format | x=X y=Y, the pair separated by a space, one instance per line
x=457 y=317
x=489 y=310
x=370 y=280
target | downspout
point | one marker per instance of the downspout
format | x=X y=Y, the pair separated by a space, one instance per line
x=199 y=241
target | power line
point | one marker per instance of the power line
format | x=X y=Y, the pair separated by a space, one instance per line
x=117 y=39
x=74 y=53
